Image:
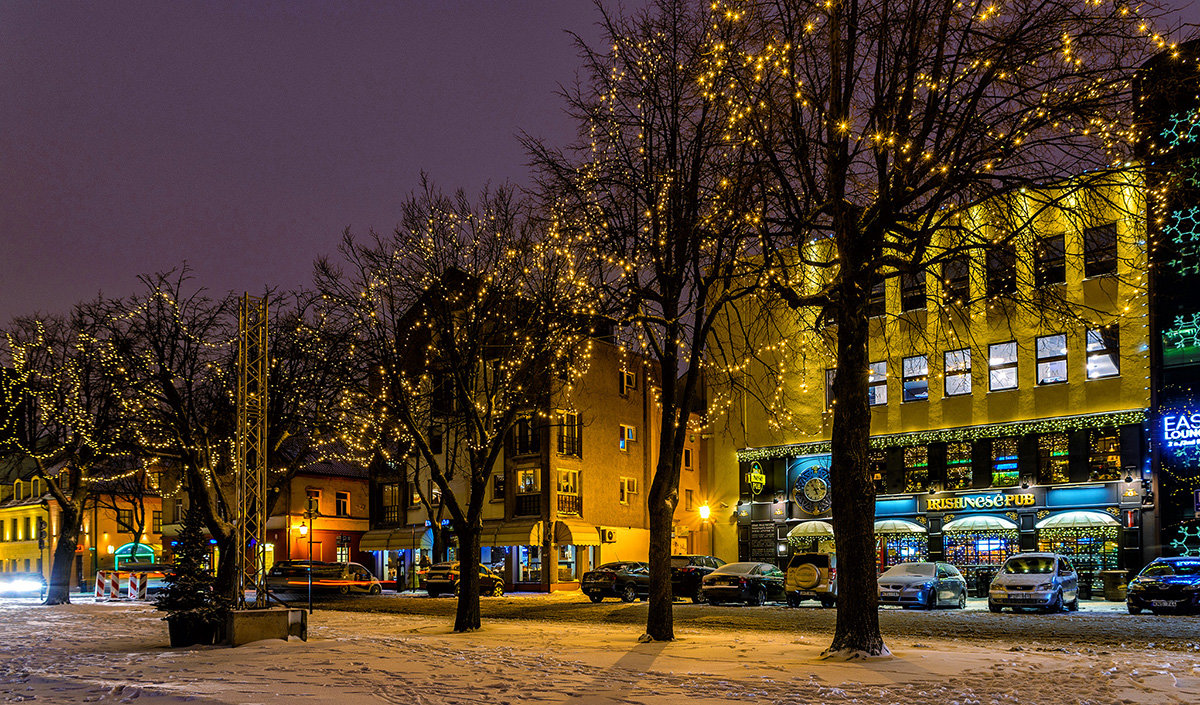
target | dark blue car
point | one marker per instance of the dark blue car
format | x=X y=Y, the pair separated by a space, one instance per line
x=1165 y=585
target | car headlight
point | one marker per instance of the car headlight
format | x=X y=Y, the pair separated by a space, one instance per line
x=917 y=587
x=23 y=585
x=1045 y=586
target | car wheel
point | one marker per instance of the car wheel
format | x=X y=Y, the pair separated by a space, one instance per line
x=498 y=590
x=931 y=601
x=793 y=601
x=344 y=590
x=828 y=602
x=1073 y=605
x=993 y=607
x=714 y=603
x=698 y=598
x=629 y=594
x=434 y=594
x=1057 y=604
x=756 y=598
x=962 y=600
x=1132 y=609
x=596 y=598
x=375 y=590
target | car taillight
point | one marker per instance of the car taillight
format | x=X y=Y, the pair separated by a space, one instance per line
x=452 y=576
x=832 y=574
x=742 y=581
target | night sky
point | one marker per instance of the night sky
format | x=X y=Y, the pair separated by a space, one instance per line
x=243 y=137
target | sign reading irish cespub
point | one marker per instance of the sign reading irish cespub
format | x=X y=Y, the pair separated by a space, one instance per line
x=979 y=501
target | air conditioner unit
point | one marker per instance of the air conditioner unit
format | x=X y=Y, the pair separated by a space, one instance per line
x=608 y=536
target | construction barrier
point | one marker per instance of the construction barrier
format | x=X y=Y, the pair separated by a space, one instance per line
x=108 y=585
x=137 y=586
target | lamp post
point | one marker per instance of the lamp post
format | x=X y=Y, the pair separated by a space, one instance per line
x=705 y=512
x=304 y=532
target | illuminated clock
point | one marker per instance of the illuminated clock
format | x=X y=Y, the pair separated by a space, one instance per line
x=811 y=490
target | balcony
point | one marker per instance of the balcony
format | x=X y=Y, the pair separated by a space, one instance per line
x=528 y=505
x=570 y=504
x=392 y=516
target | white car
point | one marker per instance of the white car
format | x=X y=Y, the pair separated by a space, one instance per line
x=1045 y=581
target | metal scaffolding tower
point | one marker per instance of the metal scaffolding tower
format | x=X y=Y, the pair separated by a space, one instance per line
x=252 y=450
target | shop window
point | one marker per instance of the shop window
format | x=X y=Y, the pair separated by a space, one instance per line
x=1004 y=463
x=916 y=469
x=877 y=383
x=687 y=458
x=1103 y=352
x=341 y=504
x=527 y=481
x=1091 y=549
x=1053 y=457
x=956 y=280
x=568 y=565
x=524 y=438
x=529 y=564
x=957 y=365
x=628 y=436
x=959 y=471
x=912 y=291
x=916 y=378
x=156 y=522
x=628 y=488
x=570 y=434
x=628 y=382
x=877 y=299
x=1050 y=260
x=1105 y=455
x=878 y=463
x=124 y=520
x=1001 y=270
x=1051 y=353
x=342 y=553
x=1100 y=250
x=830 y=374
x=1002 y=366
x=498 y=487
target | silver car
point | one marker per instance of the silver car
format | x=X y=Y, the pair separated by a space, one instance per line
x=923 y=584
x=1045 y=581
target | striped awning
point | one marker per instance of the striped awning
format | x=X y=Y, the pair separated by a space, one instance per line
x=404 y=538
x=977 y=524
x=811 y=529
x=898 y=526
x=1079 y=519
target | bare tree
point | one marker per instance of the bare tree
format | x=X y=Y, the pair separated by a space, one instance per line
x=465 y=317
x=672 y=213
x=882 y=127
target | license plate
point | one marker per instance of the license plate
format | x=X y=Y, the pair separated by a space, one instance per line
x=1164 y=603
x=889 y=593
x=806 y=593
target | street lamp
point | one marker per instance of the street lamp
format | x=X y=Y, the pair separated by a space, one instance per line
x=305 y=533
x=705 y=511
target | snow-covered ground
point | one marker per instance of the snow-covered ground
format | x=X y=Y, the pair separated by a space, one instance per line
x=117 y=653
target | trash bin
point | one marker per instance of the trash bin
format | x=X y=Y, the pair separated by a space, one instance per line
x=1114 y=585
x=1085 y=586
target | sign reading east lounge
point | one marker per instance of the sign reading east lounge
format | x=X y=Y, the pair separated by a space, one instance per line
x=1181 y=430
x=979 y=501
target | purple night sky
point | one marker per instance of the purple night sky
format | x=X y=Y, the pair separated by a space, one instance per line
x=243 y=137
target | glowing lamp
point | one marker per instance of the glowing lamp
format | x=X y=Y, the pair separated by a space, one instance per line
x=705 y=511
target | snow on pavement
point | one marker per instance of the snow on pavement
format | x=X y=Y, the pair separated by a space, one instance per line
x=118 y=653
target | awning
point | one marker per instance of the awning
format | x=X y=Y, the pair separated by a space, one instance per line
x=1079 y=519
x=399 y=539
x=576 y=532
x=898 y=526
x=520 y=532
x=978 y=524
x=811 y=529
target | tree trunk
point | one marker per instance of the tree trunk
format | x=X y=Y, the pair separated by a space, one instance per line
x=660 y=620
x=852 y=489
x=70 y=518
x=467 y=617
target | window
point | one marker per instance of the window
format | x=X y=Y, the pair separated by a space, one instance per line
x=1103 y=352
x=525 y=437
x=178 y=510
x=498 y=487
x=956 y=280
x=527 y=481
x=1002 y=366
x=628 y=436
x=878 y=463
x=957 y=372
x=392 y=498
x=916 y=469
x=688 y=502
x=1105 y=455
x=1053 y=458
x=628 y=381
x=1004 y=463
x=912 y=291
x=444 y=400
x=829 y=376
x=125 y=520
x=687 y=458
x=916 y=378
x=1100 y=250
x=568 y=482
x=341 y=504
x=958 y=466
x=877 y=300
x=1051 y=359
x=1050 y=260
x=570 y=434
x=629 y=487
x=435 y=442
x=342 y=553
x=156 y=522
x=314 y=500
x=877 y=383
x=1001 y=270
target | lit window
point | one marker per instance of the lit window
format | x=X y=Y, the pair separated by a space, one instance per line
x=1103 y=352
x=1002 y=366
x=156 y=522
x=629 y=487
x=958 y=372
x=1004 y=463
x=1100 y=250
x=687 y=500
x=570 y=434
x=125 y=520
x=878 y=462
x=628 y=381
x=568 y=482
x=958 y=466
x=916 y=469
x=498 y=487
x=916 y=378
x=628 y=436
x=527 y=481
x=877 y=383
x=1052 y=359
x=1106 y=455
x=1050 y=260
x=1053 y=454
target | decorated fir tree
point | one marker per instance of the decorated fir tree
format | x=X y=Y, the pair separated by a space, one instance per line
x=192 y=605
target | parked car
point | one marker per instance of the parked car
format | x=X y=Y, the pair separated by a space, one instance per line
x=22 y=585
x=751 y=583
x=627 y=580
x=811 y=576
x=1165 y=585
x=687 y=574
x=444 y=578
x=923 y=584
x=327 y=577
x=1045 y=581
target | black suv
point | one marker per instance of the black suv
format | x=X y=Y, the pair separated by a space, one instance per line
x=687 y=572
x=627 y=580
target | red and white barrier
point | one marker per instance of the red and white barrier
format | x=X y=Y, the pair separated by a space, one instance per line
x=108 y=585
x=137 y=586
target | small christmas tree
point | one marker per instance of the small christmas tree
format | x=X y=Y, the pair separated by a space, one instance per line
x=195 y=613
